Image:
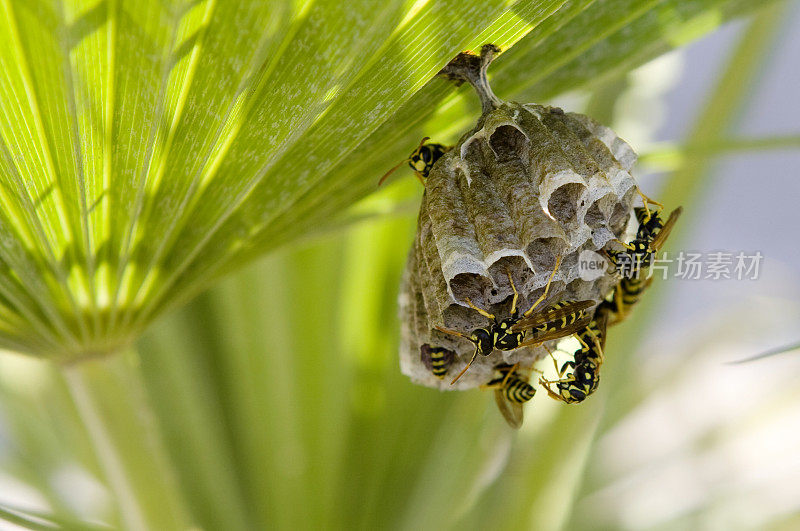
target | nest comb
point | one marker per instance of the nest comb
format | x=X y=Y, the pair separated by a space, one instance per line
x=527 y=184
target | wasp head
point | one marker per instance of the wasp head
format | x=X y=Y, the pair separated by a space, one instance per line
x=424 y=157
x=483 y=341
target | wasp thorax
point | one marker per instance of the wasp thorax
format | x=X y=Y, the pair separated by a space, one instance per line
x=528 y=187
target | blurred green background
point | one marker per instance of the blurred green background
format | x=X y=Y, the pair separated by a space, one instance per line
x=274 y=399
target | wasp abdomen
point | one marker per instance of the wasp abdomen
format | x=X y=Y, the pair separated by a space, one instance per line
x=515 y=389
x=436 y=359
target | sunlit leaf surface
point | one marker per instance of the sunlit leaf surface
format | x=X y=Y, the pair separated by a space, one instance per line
x=147 y=147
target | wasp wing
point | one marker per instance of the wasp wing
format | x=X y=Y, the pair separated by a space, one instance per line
x=511 y=411
x=662 y=235
x=551 y=314
x=425 y=356
x=574 y=328
x=601 y=323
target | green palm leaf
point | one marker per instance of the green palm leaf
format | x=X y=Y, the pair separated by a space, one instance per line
x=146 y=148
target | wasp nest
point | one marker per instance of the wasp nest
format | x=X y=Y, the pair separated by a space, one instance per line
x=528 y=184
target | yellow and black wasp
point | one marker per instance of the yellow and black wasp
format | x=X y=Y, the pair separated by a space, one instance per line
x=436 y=359
x=650 y=222
x=650 y=237
x=627 y=292
x=631 y=264
x=421 y=160
x=563 y=318
x=579 y=377
x=511 y=391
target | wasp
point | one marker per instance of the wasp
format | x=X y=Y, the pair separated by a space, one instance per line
x=583 y=371
x=511 y=391
x=649 y=223
x=556 y=321
x=421 y=160
x=627 y=292
x=650 y=237
x=436 y=359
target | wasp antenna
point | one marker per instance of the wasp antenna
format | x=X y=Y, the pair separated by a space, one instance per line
x=388 y=173
x=394 y=169
x=419 y=147
x=546 y=288
x=465 y=368
x=451 y=332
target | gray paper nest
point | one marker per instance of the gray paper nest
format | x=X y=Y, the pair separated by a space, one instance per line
x=527 y=184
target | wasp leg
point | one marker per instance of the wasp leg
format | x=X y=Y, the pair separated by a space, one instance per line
x=546 y=289
x=621 y=310
x=544 y=382
x=552 y=357
x=581 y=341
x=628 y=246
x=479 y=310
x=645 y=201
x=597 y=344
x=509 y=373
x=613 y=261
x=511 y=370
x=552 y=394
x=516 y=294
x=492 y=386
